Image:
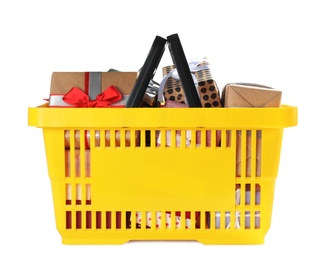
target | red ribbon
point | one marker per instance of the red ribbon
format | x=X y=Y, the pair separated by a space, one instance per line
x=79 y=98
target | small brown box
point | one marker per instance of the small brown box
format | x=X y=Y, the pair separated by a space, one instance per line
x=250 y=95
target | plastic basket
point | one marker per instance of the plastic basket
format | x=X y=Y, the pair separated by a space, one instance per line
x=113 y=183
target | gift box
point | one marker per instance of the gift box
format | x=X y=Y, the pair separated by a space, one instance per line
x=250 y=95
x=206 y=87
x=91 y=86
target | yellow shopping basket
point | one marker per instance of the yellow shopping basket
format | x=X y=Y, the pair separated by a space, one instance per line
x=210 y=177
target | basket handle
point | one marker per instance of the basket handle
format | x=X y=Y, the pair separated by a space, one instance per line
x=147 y=72
x=183 y=70
x=150 y=65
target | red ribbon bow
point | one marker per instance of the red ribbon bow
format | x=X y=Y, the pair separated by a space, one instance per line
x=79 y=98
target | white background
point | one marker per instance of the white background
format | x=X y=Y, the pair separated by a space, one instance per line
x=266 y=42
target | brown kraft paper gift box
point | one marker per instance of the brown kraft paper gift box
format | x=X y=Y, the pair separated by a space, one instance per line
x=207 y=88
x=249 y=95
x=63 y=82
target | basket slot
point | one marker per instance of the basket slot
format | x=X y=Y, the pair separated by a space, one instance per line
x=78 y=194
x=98 y=220
x=248 y=153
x=258 y=153
x=248 y=219
x=78 y=219
x=69 y=220
x=217 y=220
x=257 y=194
x=257 y=220
x=228 y=138
x=68 y=194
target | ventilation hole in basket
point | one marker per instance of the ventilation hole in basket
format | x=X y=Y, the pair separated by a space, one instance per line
x=148 y=221
x=138 y=219
x=198 y=138
x=77 y=164
x=168 y=220
x=88 y=194
x=257 y=194
x=218 y=138
x=118 y=219
x=142 y=139
x=238 y=153
x=178 y=219
x=207 y=220
x=258 y=152
x=88 y=219
x=187 y=217
x=95 y=137
x=247 y=220
x=248 y=154
x=126 y=138
x=172 y=138
x=148 y=138
x=247 y=194
x=158 y=138
x=197 y=220
x=68 y=194
x=87 y=163
x=105 y=138
x=228 y=138
x=135 y=138
x=108 y=219
x=158 y=219
x=98 y=219
x=227 y=219
x=257 y=219
x=78 y=219
x=66 y=139
x=118 y=141
x=78 y=194
x=237 y=220
x=217 y=220
x=128 y=219
x=208 y=138
x=238 y=194
x=68 y=219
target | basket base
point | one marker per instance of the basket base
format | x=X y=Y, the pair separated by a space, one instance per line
x=238 y=238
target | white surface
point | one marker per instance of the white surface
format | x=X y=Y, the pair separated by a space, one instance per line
x=271 y=43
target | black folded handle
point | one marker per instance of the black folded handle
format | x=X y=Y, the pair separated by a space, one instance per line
x=150 y=65
x=147 y=72
x=183 y=70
